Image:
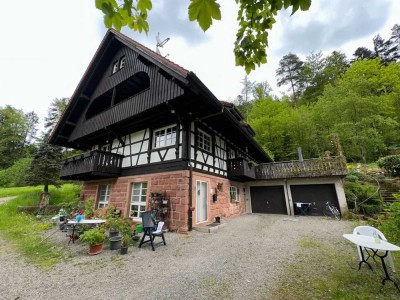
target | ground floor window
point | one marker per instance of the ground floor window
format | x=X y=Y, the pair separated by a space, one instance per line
x=104 y=195
x=138 y=199
x=234 y=194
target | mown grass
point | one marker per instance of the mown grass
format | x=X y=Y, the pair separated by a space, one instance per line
x=24 y=232
x=323 y=271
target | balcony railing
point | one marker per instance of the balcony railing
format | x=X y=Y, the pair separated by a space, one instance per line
x=92 y=165
x=240 y=169
x=333 y=166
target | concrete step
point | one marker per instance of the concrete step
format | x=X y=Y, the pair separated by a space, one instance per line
x=208 y=227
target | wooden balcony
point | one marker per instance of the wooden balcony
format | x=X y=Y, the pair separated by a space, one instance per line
x=240 y=169
x=318 y=167
x=92 y=165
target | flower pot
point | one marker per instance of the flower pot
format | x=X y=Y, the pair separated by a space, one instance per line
x=115 y=242
x=124 y=250
x=95 y=249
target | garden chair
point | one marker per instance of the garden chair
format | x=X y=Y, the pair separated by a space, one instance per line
x=371 y=231
x=150 y=230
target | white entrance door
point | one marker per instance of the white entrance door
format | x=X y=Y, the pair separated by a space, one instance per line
x=201 y=201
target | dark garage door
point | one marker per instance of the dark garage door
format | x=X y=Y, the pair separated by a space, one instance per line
x=317 y=194
x=268 y=199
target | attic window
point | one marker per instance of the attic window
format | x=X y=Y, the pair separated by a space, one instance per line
x=115 y=67
x=122 y=62
x=118 y=64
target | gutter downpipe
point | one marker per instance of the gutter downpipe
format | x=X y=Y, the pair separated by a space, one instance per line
x=190 y=212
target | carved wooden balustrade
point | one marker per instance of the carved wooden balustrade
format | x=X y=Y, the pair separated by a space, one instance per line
x=240 y=168
x=92 y=165
x=318 y=167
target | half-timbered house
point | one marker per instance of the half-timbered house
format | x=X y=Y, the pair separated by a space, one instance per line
x=150 y=127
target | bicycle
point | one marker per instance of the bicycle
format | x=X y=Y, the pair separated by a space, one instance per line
x=332 y=211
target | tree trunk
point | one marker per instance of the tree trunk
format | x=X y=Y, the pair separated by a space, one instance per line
x=46 y=188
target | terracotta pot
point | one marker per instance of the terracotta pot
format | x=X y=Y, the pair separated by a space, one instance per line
x=95 y=249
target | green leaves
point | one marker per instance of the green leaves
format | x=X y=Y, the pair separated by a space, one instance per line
x=255 y=18
x=127 y=14
x=204 y=11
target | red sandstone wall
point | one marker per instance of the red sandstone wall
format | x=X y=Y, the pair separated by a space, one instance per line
x=223 y=207
x=176 y=186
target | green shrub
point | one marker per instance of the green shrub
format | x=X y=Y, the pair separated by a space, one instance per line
x=14 y=176
x=390 y=164
x=390 y=223
x=365 y=195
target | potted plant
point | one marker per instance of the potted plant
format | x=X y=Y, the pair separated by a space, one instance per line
x=113 y=221
x=126 y=230
x=95 y=237
x=125 y=244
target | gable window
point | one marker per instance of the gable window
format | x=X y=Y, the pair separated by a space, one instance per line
x=234 y=194
x=138 y=200
x=118 y=64
x=115 y=67
x=164 y=137
x=203 y=140
x=104 y=195
x=122 y=62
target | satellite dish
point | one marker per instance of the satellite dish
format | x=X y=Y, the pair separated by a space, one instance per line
x=160 y=44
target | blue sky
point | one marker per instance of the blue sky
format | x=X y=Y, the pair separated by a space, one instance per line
x=47 y=45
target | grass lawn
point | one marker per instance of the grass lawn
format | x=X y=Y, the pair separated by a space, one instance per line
x=23 y=231
x=324 y=271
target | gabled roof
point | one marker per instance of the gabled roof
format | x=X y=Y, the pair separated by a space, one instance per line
x=187 y=80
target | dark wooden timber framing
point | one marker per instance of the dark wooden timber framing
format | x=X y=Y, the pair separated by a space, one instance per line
x=172 y=165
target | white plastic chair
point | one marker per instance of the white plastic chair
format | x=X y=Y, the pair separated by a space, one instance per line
x=372 y=231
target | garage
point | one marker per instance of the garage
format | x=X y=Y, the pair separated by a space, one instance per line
x=268 y=199
x=318 y=194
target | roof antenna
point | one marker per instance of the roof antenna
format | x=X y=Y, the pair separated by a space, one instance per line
x=160 y=44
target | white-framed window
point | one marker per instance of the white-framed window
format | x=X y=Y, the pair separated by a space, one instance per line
x=118 y=64
x=138 y=200
x=122 y=62
x=203 y=140
x=164 y=137
x=104 y=195
x=233 y=191
x=230 y=153
x=115 y=67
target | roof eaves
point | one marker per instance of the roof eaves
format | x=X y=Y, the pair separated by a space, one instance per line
x=104 y=43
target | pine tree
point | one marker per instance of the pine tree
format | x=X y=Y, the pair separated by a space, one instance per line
x=46 y=165
x=290 y=72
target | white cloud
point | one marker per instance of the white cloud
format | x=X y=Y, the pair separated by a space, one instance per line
x=45 y=51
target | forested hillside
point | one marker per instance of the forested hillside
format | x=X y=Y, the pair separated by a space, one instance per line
x=332 y=103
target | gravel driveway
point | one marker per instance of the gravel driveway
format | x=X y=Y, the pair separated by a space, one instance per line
x=243 y=260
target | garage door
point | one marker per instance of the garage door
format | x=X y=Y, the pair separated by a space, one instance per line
x=318 y=194
x=268 y=199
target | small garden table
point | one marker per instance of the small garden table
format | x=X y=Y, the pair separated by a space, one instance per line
x=75 y=223
x=380 y=249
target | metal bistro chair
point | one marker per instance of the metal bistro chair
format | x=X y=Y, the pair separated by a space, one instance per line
x=150 y=231
x=372 y=231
